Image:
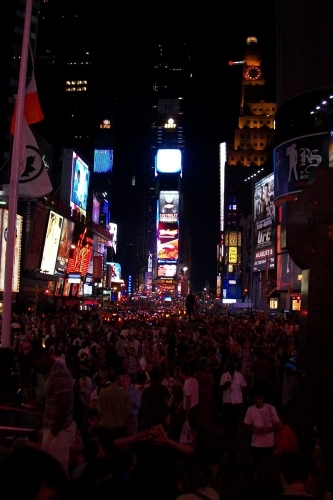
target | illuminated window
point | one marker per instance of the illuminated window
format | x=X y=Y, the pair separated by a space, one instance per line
x=84 y=88
x=73 y=83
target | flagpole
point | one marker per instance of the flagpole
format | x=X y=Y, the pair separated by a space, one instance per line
x=14 y=181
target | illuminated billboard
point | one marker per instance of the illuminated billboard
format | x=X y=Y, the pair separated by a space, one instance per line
x=168 y=210
x=17 y=249
x=264 y=224
x=168 y=161
x=166 y=270
x=64 y=246
x=80 y=184
x=80 y=257
x=167 y=241
x=113 y=234
x=115 y=271
x=51 y=243
x=103 y=160
x=95 y=210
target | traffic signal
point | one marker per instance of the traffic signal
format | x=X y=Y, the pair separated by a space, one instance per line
x=245 y=291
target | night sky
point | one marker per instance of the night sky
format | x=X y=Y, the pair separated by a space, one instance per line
x=215 y=35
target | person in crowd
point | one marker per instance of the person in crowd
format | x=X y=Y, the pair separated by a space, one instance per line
x=154 y=403
x=190 y=394
x=295 y=471
x=262 y=420
x=59 y=427
x=233 y=387
x=191 y=483
x=190 y=305
x=32 y=474
x=114 y=407
x=206 y=392
x=132 y=425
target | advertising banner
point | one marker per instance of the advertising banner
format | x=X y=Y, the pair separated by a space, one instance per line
x=17 y=249
x=80 y=256
x=80 y=184
x=264 y=224
x=35 y=218
x=66 y=239
x=167 y=270
x=295 y=162
x=51 y=244
x=169 y=206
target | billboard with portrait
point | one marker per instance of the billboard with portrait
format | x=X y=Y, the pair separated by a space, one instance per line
x=17 y=249
x=80 y=257
x=264 y=224
x=166 y=270
x=51 y=243
x=64 y=246
x=115 y=271
x=80 y=184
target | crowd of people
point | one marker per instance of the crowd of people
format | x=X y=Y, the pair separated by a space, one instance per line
x=158 y=405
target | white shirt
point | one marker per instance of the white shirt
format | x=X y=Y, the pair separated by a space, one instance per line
x=191 y=388
x=233 y=394
x=262 y=417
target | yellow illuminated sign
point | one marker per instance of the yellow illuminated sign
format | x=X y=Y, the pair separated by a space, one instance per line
x=233 y=255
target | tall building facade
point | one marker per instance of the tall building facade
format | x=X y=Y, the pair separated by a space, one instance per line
x=244 y=162
x=168 y=241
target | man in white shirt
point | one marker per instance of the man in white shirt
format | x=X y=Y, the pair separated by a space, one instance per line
x=262 y=420
x=233 y=387
x=190 y=394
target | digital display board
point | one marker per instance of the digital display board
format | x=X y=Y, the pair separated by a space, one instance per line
x=167 y=241
x=80 y=183
x=168 y=209
x=103 y=160
x=51 y=243
x=79 y=260
x=17 y=249
x=115 y=271
x=95 y=210
x=167 y=270
x=66 y=239
x=264 y=224
x=168 y=161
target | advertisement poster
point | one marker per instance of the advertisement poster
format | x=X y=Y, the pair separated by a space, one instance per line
x=66 y=239
x=264 y=224
x=295 y=162
x=169 y=206
x=36 y=238
x=80 y=177
x=17 y=249
x=52 y=239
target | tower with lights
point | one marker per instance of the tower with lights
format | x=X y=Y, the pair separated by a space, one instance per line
x=241 y=164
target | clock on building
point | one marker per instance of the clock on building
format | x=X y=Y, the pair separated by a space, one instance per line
x=253 y=73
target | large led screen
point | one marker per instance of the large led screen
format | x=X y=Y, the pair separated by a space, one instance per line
x=103 y=160
x=168 y=209
x=264 y=224
x=166 y=270
x=51 y=244
x=79 y=260
x=168 y=161
x=17 y=249
x=115 y=271
x=64 y=246
x=113 y=233
x=167 y=241
x=80 y=183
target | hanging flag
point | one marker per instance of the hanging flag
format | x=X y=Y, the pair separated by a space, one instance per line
x=34 y=180
x=32 y=109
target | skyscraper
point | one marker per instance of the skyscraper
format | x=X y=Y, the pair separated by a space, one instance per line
x=167 y=226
